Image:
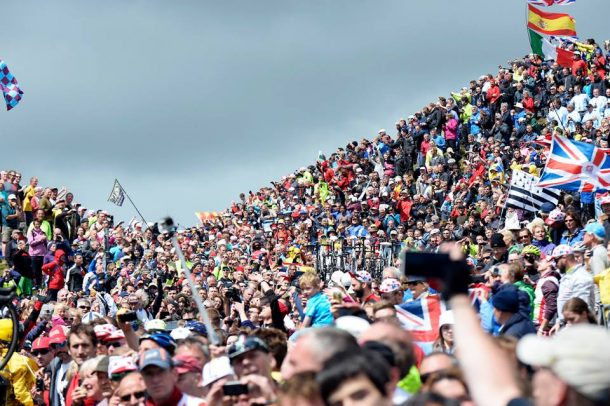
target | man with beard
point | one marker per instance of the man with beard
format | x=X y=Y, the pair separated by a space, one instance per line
x=576 y=281
x=361 y=285
x=545 y=299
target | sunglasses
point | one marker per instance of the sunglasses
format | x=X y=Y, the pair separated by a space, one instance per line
x=40 y=352
x=84 y=308
x=137 y=395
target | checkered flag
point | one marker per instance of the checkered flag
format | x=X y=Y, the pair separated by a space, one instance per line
x=10 y=87
x=117 y=196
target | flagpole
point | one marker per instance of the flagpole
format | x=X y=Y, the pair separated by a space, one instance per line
x=132 y=203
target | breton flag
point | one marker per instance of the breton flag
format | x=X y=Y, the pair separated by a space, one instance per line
x=10 y=88
x=576 y=166
x=117 y=195
x=549 y=51
x=421 y=318
x=547 y=3
x=525 y=195
x=550 y=23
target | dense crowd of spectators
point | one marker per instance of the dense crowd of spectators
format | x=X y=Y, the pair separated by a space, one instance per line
x=108 y=316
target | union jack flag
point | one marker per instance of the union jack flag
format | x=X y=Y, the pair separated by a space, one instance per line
x=421 y=318
x=546 y=3
x=576 y=166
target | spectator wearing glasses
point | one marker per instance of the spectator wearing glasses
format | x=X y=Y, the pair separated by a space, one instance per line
x=525 y=237
x=574 y=232
x=131 y=390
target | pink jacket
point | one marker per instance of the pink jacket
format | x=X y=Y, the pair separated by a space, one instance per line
x=451 y=129
x=38 y=243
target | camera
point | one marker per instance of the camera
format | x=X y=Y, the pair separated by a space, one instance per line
x=127 y=317
x=435 y=266
x=234 y=388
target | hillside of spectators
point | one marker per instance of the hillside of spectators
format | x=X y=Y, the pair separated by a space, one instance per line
x=105 y=305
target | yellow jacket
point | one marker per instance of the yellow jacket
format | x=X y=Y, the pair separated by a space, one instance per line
x=602 y=280
x=20 y=372
x=29 y=192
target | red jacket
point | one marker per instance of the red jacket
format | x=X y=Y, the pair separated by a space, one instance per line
x=55 y=271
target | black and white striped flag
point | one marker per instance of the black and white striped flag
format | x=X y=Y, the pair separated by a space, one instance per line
x=524 y=194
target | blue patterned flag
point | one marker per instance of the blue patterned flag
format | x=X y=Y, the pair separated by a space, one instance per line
x=10 y=88
x=546 y=3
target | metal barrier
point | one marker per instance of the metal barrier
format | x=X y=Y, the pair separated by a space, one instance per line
x=352 y=255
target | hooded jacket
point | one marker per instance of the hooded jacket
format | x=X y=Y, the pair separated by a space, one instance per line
x=55 y=271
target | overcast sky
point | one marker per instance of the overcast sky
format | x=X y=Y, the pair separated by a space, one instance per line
x=189 y=103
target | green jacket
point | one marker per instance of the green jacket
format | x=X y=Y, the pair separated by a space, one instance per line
x=529 y=289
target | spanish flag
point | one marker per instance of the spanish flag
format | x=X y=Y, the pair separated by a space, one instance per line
x=550 y=23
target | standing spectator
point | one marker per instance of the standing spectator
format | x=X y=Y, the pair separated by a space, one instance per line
x=37 y=240
x=55 y=270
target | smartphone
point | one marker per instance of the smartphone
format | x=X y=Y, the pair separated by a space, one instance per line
x=234 y=388
x=127 y=317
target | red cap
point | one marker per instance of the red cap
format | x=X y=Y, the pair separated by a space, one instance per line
x=57 y=335
x=41 y=343
x=187 y=363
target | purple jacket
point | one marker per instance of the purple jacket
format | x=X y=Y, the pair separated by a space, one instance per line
x=38 y=243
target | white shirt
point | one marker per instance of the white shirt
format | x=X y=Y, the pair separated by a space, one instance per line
x=576 y=283
x=599 y=103
x=575 y=116
x=580 y=102
x=593 y=116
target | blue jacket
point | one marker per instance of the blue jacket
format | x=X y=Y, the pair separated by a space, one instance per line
x=574 y=239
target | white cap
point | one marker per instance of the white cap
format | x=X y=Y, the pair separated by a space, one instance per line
x=579 y=355
x=180 y=333
x=353 y=325
x=215 y=369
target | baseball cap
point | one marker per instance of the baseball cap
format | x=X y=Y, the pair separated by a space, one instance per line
x=583 y=367
x=155 y=325
x=103 y=330
x=156 y=357
x=180 y=333
x=215 y=369
x=57 y=335
x=246 y=344
x=546 y=207
x=362 y=276
x=12 y=197
x=120 y=365
x=116 y=335
x=41 y=343
x=354 y=325
x=560 y=251
x=187 y=363
x=596 y=229
x=389 y=285
x=102 y=365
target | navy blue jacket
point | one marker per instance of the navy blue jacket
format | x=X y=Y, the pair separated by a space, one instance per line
x=518 y=326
